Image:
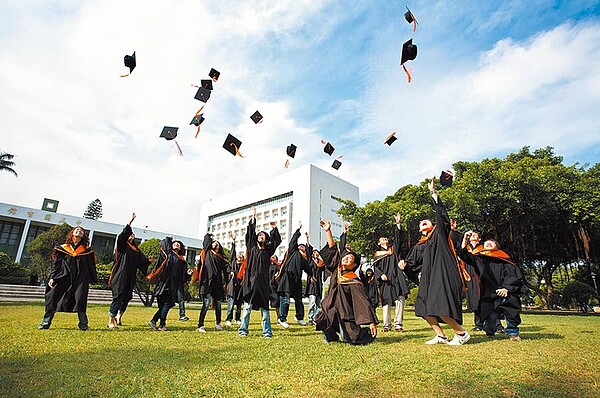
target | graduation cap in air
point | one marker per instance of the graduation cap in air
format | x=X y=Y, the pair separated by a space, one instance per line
x=328 y=149
x=337 y=164
x=410 y=18
x=203 y=94
x=291 y=150
x=256 y=117
x=207 y=84
x=170 y=133
x=446 y=178
x=129 y=61
x=232 y=145
x=197 y=121
x=390 y=139
x=409 y=53
x=214 y=74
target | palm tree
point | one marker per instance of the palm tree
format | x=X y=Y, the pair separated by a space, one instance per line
x=6 y=162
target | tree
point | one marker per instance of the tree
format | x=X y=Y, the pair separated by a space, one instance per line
x=144 y=290
x=6 y=163
x=41 y=248
x=94 y=210
x=11 y=272
x=579 y=292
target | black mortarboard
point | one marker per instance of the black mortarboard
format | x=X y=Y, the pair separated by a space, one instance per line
x=328 y=149
x=202 y=94
x=169 y=133
x=446 y=178
x=409 y=52
x=232 y=145
x=207 y=84
x=256 y=117
x=410 y=18
x=390 y=139
x=214 y=74
x=336 y=164
x=291 y=150
x=197 y=120
x=130 y=62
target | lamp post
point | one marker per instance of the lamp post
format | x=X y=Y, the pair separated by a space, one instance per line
x=593 y=275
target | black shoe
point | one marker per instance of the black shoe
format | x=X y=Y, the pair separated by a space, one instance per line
x=500 y=330
x=152 y=324
x=83 y=328
x=43 y=327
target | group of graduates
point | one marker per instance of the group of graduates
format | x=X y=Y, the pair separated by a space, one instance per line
x=444 y=263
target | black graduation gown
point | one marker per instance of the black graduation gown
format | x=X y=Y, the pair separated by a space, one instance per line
x=174 y=274
x=255 y=285
x=494 y=274
x=128 y=261
x=472 y=285
x=346 y=303
x=73 y=270
x=387 y=264
x=291 y=268
x=314 y=284
x=440 y=286
x=233 y=283
x=214 y=271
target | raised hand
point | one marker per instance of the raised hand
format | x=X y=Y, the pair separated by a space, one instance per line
x=132 y=218
x=346 y=226
x=431 y=185
x=326 y=225
x=453 y=224
x=398 y=218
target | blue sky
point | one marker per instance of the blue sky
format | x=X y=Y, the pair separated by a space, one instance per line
x=489 y=78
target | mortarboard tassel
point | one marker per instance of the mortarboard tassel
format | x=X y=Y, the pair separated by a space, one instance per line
x=287 y=163
x=407 y=73
x=237 y=151
x=178 y=147
x=125 y=75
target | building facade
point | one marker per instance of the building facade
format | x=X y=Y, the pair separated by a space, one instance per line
x=20 y=225
x=306 y=194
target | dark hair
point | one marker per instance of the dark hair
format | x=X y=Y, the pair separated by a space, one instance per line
x=182 y=247
x=84 y=239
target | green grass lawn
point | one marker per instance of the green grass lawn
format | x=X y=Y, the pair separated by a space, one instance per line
x=559 y=356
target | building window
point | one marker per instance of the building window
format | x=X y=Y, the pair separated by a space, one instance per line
x=104 y=247
x=32 y=233
x=10 y=237
x=283 y=211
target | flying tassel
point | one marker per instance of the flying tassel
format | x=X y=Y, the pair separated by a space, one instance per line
x=179 y=149
x=125 y=75
x=237 y=151
x=407 y=73
x=287 y=163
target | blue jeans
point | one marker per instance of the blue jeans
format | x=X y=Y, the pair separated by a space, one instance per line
x=204 y=310
x=490 y=324
x=314 y=305
x=230 y=306
x=119 y=304
x=181 y=300
x=164 y=305
x=266 y=321
x=284 y=307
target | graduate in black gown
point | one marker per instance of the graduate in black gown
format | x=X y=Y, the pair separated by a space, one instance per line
x=346 y=306
x=232 y=290
x=289 y=279
x=212 y=275
x=255 y=285
x=274 y=267
x=314 y=284
x=501 y=286
x=128 y=260
x=73 y=270
x=440 y=287
x=393 y=288
x=169 y=274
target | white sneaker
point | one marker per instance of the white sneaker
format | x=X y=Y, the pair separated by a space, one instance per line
x=201 y=329
x=284 y=324
x=460 y=340
x=219 y=327
x=302 y=322
x=228 y=323
x=437 y=340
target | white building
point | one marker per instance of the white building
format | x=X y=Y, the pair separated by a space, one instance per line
x=306 y=194
x=20 y=225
